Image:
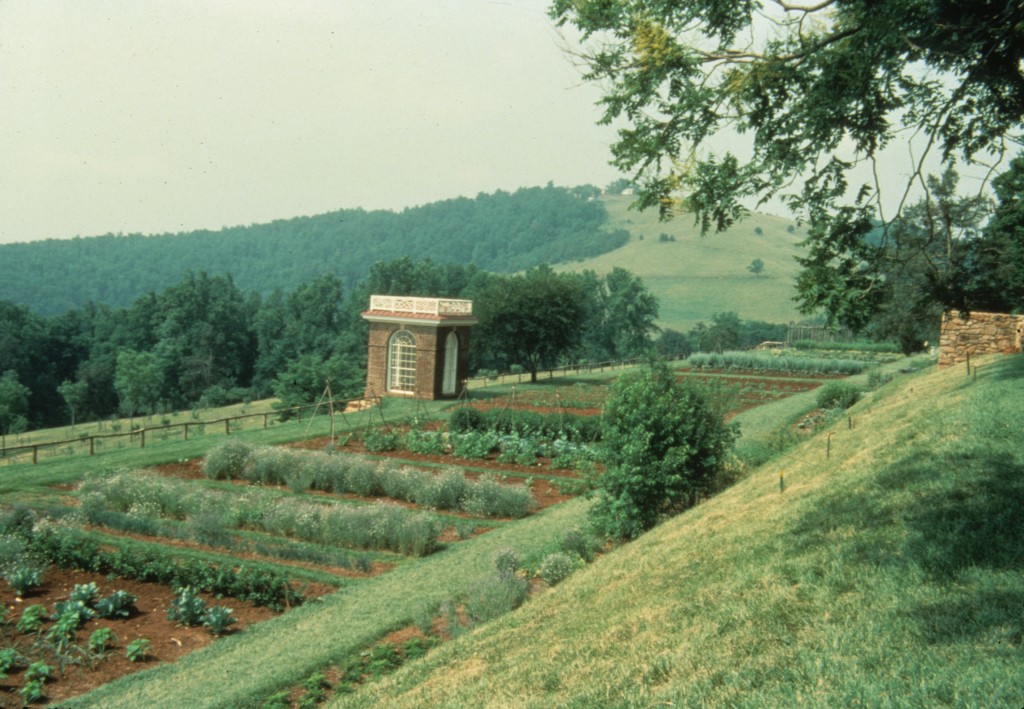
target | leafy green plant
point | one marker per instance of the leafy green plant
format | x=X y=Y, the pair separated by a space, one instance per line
x=279 y=700
x=474 y=444
x=465 y=419
x=100 y=640
x=24 y=578
x=217 y=619
x=85 y=593
x=426 y=442
x=378 y=441
x=137 y=650
x=35 y=680
x=119 y=604
x=31 y=619
x=33 y=691
x=187 y=608
x=9 y=659
x=314 y=690
x=381 y=659
x=76 y=612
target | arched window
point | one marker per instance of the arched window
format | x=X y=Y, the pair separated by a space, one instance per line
x=402 y=362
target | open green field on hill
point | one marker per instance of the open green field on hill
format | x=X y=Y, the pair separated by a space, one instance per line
x=695 y=277
x=889 y=573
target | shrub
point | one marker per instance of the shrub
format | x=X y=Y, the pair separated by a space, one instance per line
x=579 y=543
x=665 y=443
x=838 y=395
x=494 y=596
x=400 y=482
x=489 y=498
x=876 y=379
x=327 y=472
x=209 y=526
x=12 y=550
x=227 y=461
x=557 y=566
x=465 y=419
x=445 y=491
x=507 y=562
x=270 y=465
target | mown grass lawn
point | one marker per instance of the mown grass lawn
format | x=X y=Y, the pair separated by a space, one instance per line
x=890 y=573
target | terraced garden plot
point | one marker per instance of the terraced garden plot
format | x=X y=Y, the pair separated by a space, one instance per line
x=743 y=389
x=93 y=667
x=307 y=560
x=746 y=390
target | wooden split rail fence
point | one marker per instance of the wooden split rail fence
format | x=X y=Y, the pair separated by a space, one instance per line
x=93 y=442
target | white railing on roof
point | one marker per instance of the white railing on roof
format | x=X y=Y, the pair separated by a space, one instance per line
x=421 y=306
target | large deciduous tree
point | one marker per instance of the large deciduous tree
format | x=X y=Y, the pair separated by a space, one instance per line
x=531 y=319
x=138 y=382
x=816 y=88
x=13 y=404
x=997 y=257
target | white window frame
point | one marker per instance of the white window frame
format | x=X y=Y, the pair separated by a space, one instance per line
x=402 y=362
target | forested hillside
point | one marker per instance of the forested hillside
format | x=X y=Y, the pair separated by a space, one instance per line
x=501 y=232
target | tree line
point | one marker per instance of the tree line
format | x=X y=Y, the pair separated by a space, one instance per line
x=502 y=232
x=205 y=342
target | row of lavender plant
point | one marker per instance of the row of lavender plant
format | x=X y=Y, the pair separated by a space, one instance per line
x=342 y=473
x=137 y=495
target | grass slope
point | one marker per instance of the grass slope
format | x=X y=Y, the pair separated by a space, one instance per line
x=891 y=574
x=695 y=277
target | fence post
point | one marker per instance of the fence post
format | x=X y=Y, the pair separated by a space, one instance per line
x=227 y=427
x=264 y=420
x=35 y=454
x=92 y=450
x=186 y=431
x=142 y=435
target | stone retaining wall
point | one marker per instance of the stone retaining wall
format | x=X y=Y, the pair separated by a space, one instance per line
x=978 y=334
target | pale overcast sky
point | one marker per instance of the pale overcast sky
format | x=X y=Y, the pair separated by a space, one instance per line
x=172 y=115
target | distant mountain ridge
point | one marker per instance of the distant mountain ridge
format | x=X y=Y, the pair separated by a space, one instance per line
x=500 y=232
